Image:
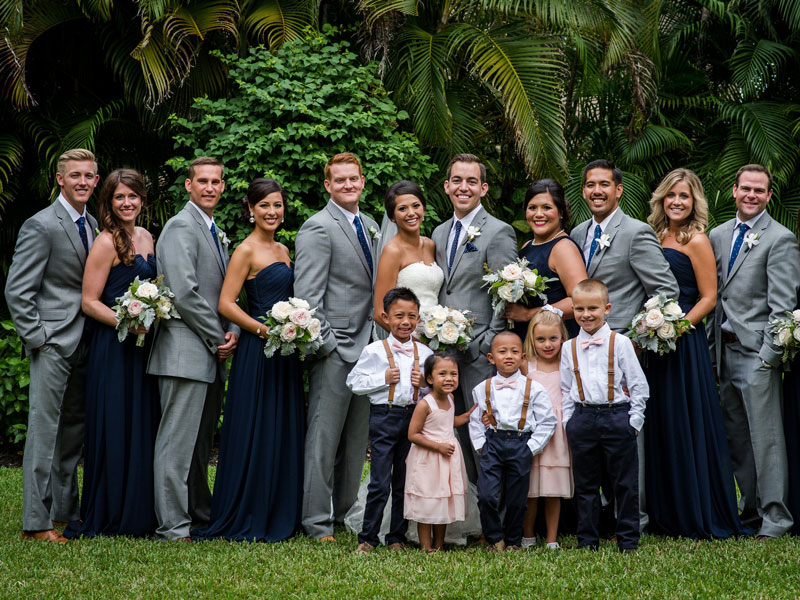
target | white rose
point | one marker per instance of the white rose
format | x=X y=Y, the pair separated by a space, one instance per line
x=430 y=329
x=281 y=310
x=666 y=331
x=654 y=319
x=449 y=333
x=439 y=314
x=504 y=291
x=458 y=317
x=135 y=308
x=511 y=272
x=673 y=309
x=147 y=290
x=289 y=332
x=651 y=303
x=784 y=337
x=796 y=315
x=299 y=303
x=530 y=278
x=796 y=334
x=300 y=317
x=314 y=328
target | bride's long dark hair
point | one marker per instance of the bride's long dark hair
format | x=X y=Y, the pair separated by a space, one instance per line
x=123 y=242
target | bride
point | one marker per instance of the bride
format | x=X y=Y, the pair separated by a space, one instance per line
x=408 y=260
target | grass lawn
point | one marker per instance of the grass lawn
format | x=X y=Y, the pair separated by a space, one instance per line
x=113 y=568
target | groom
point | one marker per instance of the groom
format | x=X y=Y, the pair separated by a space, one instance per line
x=335 y=264
x=189 y=354
x=464 y=243
x=43 y=292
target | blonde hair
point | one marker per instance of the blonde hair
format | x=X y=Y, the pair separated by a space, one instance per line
x=591 y=286
x=78 y=154
x=698 y=218
x=543 y=317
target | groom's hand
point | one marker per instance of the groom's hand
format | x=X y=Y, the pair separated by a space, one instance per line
x=226 y=350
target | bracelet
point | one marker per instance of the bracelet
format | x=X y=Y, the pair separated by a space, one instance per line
x=258 y=331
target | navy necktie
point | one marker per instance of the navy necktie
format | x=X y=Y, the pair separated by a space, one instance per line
x=454 y=247
x=362 y=239
x=82 y=232
x=598 y=231
x=216 y=241
x=737 y=245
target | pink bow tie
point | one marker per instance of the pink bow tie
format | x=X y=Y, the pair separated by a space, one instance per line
x=400 y=349
x=591 y=342
x=499 y=384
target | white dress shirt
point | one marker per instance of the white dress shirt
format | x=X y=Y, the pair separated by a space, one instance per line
x=351 y=218
x=466 y=221
x=593 y=365
x=368 y=377
x=587 y=243
x=507 y=410
x=75 y=215
x=206 y=219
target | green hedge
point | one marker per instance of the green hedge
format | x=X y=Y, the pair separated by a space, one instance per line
x=14 y=383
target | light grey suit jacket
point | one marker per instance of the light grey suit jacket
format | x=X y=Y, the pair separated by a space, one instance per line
x=761 y=286
x=332 y=274
x=495 y=246
x=43 y=290
x=193 y=269
x=632 y=266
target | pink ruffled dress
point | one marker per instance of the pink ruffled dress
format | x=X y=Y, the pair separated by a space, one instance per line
x=436 y=485
x=551 y=473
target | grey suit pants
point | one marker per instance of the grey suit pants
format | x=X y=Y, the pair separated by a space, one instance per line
x=189 y=416
x=470 y=374
x=55 y=438
x=336 y=445
x=752 y=411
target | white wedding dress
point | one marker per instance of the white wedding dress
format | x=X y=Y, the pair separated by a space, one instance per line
x=425 y=281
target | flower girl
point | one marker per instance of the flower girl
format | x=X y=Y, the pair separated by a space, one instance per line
x=551 y=474
x=436 y=480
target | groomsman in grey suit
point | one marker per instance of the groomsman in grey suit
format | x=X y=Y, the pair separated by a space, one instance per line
x=189 y=354
x=625 y=254
x=43 y=292
x=758 y=272
x=335 y=263
x=470 y=238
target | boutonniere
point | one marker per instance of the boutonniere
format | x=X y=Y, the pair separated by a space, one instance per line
x=604 y=241
x=472 y=233
x=751 y=239
x=96 y=231
x=470 y=247
x=222 y=237
x=376 y=235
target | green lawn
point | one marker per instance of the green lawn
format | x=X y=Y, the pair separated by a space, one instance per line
x=112 y=568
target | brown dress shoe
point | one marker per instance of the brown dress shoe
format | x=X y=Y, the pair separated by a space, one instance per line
x=364 y=548
x=498 y=547
x=326 y=538
x=48 y=535
x=187 y=539
x=397 y=547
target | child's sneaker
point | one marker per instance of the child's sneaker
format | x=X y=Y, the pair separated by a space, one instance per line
x=528 y=542
x=553 y=546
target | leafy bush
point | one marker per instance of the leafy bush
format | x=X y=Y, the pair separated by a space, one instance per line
x=14 y=381
x=286 y=114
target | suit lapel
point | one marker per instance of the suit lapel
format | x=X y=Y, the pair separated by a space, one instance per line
x=478 y=222
x=744 y=251
x=611 y=231
x=349 y=232
x=440 y=242
x=71 y=230
x=727 y=234
x=205 y=233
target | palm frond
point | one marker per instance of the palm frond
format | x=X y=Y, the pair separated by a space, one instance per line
x=756 y=64
x=375 y=10
x=199 y=19
x=277 y=21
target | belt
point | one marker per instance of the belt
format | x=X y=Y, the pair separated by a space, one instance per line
x=392 y=407
x=728 y=337
x=507 y=433
x=614 y=407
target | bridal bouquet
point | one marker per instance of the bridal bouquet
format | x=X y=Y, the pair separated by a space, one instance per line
x=291 y=325
x=441 y=328
x=144 y=303
x=787 y=334
x=514 y=283
x=658 y=326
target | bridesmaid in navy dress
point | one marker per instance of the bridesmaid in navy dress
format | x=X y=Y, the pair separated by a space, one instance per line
x=121 y=399
x=791 y=428
x=688 y=474
x=259 y=482
x=551 y=252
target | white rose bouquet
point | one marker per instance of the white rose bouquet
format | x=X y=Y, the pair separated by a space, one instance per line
x=440 y=328
x=787 y=334
x=142 y=305
x=659 y=325
x=291 y=325
x=514 y=283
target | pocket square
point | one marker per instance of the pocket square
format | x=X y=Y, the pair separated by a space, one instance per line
x=470 y=247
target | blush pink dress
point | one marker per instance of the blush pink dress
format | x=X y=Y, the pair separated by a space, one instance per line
x=436 y=485
x=551 y=473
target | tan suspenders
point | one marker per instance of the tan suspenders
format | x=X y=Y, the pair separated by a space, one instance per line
x=525 y=403
x=392 y=365
x=577 y=372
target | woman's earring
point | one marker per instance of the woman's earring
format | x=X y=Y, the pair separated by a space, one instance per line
x=252 y=219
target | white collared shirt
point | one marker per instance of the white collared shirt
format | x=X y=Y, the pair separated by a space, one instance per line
x=466 y=221
x=368 y=377
x=351 y=218
x=75 y=215
x=587 y=243
x=751 y=223
x=593 y=365
x=206 y=219
x=507 y=410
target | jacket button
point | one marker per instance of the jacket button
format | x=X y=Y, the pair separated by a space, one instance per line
x=724 y=297
x=448 y=292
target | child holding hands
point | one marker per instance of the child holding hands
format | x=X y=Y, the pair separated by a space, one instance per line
x=389 y=372
x=521 y=423
x=436 y=480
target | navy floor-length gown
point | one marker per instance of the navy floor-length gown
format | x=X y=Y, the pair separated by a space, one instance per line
x=122 y=412
x=259 y=483
x=688 y=474
x=791 y=428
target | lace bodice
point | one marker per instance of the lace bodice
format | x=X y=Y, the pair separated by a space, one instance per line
x=424 y=280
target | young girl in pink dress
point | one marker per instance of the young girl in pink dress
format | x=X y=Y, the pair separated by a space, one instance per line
x=551 y=474
x=436 y=480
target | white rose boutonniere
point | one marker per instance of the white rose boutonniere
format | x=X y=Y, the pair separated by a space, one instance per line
x=604 y=241
x=223 y=238
x=374 y=233
x=96 y=231
x=751 y=239
x=472 y=233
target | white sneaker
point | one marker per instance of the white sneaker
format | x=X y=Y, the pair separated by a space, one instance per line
x=553 y=546
x=528 y=542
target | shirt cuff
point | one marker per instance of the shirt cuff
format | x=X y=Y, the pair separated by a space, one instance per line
x=636 y=421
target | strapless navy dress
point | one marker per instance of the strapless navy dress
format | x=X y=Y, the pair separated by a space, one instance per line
x=688 y=474
x=259 y=483
x=791 y=428
x=122 y=413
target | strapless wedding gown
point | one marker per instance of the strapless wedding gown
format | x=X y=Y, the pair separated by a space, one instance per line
x=424 y=280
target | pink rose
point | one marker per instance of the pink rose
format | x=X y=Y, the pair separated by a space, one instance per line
x=300 y=317
x=135 y=308
x=289 y=332
x=641 y=328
